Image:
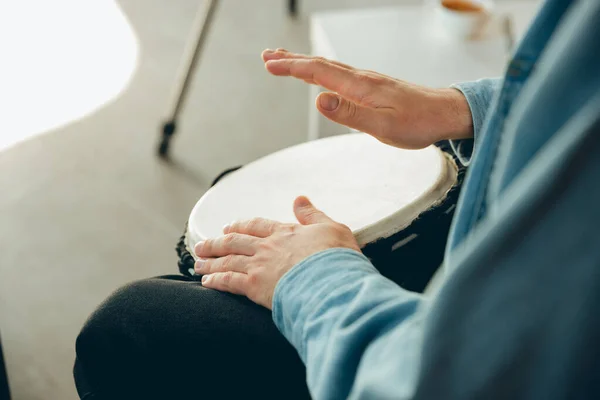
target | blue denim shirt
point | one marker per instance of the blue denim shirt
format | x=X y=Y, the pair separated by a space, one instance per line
x=517 y=314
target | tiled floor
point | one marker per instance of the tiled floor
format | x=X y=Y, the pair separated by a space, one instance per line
x=88 y=207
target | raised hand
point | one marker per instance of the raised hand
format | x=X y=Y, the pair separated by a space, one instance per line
x=395 y=112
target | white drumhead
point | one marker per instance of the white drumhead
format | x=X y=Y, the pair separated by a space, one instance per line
x=375 y=189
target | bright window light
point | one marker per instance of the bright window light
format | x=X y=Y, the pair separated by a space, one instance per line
x=60 y=60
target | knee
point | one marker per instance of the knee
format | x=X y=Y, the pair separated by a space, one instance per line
x=110 y=346
x=101 y=341
x=111 y=322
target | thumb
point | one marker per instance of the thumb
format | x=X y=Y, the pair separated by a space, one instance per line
x=307 y=214
x=343 y=111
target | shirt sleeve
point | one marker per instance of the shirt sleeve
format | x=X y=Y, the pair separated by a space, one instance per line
x=479 y=95
x=344 y=318
x=517 y=317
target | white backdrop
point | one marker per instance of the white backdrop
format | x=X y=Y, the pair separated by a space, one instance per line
x=60 y=60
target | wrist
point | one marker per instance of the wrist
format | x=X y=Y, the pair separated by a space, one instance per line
x=456 y=121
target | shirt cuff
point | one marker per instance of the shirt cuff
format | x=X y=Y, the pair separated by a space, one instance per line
x=479 y=95
x=300 y=290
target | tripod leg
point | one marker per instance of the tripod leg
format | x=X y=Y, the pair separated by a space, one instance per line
x=168 y=130
x=293 y=7
x=201 y=28
x=4 y=391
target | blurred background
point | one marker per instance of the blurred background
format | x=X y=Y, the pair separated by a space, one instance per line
x=85 y=203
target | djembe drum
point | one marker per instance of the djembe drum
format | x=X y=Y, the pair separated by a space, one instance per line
x=398 y=203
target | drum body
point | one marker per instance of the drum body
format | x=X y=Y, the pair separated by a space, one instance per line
x=398 y=203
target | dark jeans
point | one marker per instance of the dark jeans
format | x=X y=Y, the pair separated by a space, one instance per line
x=170 y=338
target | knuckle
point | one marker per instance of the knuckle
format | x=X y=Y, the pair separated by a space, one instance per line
x=370 y=77
x=270 y=226
x=207 y=246
x=227 y=277
x=263 y=245
x=252 y=224
x=256 y=221
x=229 y=239
x=318 y=61
x=362 y=76
x=225 y=263
x=374 y=78
x=286 y=228
x=365 y=84
x=209 y=266
x=253 y=278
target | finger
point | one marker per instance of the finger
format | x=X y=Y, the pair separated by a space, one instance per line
x=375 y=121
x=307 y=214
x=232 y=282
x=259 y=227
x=284 y=54
x=232 y=262
x=268 y=53
x=232 y=243
x=354 y=85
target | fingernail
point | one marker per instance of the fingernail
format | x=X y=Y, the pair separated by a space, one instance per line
x=199 y=265
x=198 y=247
x=302 y=201
x=269 y=51
x=329 y=102
x=205 y=278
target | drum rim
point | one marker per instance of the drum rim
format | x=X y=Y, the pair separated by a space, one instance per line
x=390 y=225
x=392 y=256
x=436 y=196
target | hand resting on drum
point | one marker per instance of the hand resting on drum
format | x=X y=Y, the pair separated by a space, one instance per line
x=397 y=113
x=253 y=255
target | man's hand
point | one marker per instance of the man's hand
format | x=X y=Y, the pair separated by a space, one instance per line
x=395 y=112
x=253 y=255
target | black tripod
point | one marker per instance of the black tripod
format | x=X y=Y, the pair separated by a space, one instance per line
x=4 y=392
x=201 y=28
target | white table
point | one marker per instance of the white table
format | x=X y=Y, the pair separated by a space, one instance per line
x=307 y=7
x=408 y=42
